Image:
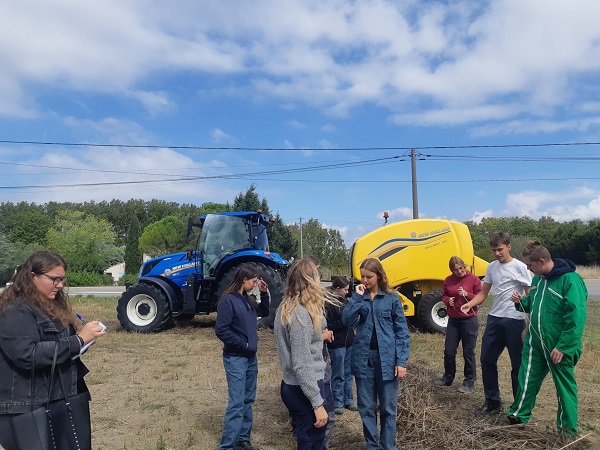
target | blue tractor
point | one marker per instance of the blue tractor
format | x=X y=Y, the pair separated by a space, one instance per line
x=182 y=285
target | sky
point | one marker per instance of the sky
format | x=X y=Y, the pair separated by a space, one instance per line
x=318 y=103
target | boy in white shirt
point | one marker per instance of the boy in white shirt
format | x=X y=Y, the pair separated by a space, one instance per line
x=505 y=324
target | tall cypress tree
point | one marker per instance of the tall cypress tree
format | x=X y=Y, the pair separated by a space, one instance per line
x=133 y=256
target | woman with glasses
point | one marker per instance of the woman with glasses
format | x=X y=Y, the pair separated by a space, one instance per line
x=36 y=319
x=460 y=287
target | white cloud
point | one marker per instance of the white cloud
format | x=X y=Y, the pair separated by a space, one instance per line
x=219 y=136
x=397 y=214
x=343 y=230
x=91 y=166
x=296 y=124
x=478 y=216
x=426 y=63
x=562 y=206
x=110 y=129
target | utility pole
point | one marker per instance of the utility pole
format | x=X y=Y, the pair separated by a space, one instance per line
x=301 y=249
x=415 y=199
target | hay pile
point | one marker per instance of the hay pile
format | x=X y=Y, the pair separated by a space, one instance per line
x=431 y=418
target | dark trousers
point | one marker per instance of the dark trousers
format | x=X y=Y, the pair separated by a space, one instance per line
x=7 y=437
x=465 y=331
x=500 y=333
x=308 y=437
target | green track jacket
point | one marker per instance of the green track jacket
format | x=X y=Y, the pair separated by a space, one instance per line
x=557 y=306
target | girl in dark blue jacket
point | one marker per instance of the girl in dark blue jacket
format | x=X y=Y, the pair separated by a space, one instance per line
x=236 y=327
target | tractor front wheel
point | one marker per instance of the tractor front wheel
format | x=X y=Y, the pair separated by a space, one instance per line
x=143 y=308
x=432 y=313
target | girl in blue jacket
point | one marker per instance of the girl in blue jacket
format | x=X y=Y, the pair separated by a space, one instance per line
x=379 y=353
x=236 y=327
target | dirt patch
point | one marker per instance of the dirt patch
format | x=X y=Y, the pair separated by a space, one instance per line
x=168 y=391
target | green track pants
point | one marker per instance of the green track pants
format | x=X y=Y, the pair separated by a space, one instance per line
x=535 y=365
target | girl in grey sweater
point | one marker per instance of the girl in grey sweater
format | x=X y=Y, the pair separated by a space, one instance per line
x=299 y=324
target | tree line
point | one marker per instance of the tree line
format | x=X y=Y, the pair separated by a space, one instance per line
x=94 y=235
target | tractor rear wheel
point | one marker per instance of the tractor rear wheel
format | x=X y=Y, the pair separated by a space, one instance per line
x=143 y=308
x=432 y=313
x=270 y=276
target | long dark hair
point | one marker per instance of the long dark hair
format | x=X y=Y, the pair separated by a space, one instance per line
x=244 y=272
x=23 y=288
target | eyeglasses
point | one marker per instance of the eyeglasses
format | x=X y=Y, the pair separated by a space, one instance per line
x=56 y=280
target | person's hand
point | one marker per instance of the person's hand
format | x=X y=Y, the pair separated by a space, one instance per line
x=262 y=285
x=556 y=355
x=327 y=335
x=399 y=372
x=90 y=331
x=516 y=297
x=462 y=292
x=465 y=308
x=451 y=301
x=360 y=289
x=321 y=417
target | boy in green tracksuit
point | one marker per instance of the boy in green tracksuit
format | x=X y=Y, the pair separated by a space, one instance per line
x=557 y=306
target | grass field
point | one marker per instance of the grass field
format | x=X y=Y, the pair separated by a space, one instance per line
x=168 y=391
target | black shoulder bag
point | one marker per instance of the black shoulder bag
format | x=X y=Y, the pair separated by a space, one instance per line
x=61 y=425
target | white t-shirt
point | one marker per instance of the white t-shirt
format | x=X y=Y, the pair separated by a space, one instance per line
x=505 y=279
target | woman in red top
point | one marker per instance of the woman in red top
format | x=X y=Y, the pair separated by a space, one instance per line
x=458 y=289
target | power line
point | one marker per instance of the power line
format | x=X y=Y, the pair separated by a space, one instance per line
x=253 y=175
x=287 y=149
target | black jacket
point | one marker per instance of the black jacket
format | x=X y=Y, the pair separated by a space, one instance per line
x=342 y=336
x=24 y=327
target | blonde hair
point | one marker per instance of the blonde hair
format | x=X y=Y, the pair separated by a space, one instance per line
x=373 y=265
x=303 y=287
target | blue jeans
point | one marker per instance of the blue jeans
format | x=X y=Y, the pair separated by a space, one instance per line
x=308 y=437
x=241 y=375
x=458 y=330
x=368 y=390
x=500 y=333
x=341 y=376
x=328 y=399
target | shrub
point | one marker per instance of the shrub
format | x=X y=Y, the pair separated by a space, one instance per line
x=128 y=278
x=89 y=279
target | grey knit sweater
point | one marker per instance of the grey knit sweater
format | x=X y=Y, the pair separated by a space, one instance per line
x=300 y=351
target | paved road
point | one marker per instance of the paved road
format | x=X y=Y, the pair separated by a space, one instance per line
x=115 y=291
x=97 y=291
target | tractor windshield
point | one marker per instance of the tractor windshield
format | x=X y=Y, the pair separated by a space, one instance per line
x=223 y=234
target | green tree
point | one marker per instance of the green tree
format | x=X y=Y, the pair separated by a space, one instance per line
x=324 y=243
x=133 y=255
x=6 y=253
x=213 y=208
x=249 y=201
x=282 y=240
x=86 y=242
x=24 y=222
x=165 y=236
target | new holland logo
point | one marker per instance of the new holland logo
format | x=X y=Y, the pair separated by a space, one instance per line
x=174 y=270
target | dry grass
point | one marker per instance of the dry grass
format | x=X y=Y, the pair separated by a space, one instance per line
x=589 y=272
x=168 y=391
